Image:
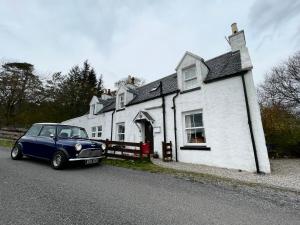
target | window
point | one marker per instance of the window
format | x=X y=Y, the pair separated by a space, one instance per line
x=121 y=131
x=71 y=132
x=194 y=130
x=99 y=131
x=94 y=129
x=189 y=77
x=121 y=101
x=48 y=131
x=34 y=130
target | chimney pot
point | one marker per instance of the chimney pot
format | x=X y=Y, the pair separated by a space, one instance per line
x=132 y=80
x=234 y=28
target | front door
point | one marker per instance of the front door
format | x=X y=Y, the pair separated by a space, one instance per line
x=149 y=134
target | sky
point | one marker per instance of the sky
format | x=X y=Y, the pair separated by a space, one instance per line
x=143 y=38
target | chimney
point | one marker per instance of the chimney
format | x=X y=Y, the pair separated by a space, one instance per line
x=108 y=92
x=237 y=42
x=234 y=28
x=129 y=79
x=132 y=80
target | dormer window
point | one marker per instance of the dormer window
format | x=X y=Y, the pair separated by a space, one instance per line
x=121 y=99
x=189 y=77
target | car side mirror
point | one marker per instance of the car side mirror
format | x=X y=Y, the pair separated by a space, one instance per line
x=52 y=135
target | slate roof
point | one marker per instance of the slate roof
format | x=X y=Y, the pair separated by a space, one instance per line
x=220 y=67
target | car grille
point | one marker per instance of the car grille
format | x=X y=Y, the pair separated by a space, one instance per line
x=85 y=153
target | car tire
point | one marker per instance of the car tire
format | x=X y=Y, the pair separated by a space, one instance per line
x=59 y=160
x=16 y=152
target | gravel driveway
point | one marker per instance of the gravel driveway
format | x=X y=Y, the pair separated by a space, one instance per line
x=285 y=172
x=33 y=193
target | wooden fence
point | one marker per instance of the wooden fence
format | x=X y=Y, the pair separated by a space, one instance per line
x=124 y=150
x=11 y=133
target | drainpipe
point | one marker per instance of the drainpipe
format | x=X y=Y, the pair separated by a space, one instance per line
x=250 y=125
x=175 y=124
x=112 y=124
x=164 y=110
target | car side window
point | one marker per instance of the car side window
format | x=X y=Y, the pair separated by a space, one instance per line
x=47 y=131
x=34 y=130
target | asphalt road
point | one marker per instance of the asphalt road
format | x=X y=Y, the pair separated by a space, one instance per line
x=33 y=193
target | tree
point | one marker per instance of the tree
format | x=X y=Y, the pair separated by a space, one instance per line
x=18 y=84
x=130 y=80
x=279 y=98
x=72 y=93
x=282 y=84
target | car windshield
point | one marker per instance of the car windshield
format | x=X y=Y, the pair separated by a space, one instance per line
x=71 y=132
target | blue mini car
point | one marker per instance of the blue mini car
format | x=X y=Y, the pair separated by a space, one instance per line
x=58 y=144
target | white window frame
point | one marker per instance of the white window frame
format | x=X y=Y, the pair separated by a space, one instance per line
x=121 y=103
x=99 y=131
x=117 y=131
x=184 y=79
x=94 y=131
x=185 y=141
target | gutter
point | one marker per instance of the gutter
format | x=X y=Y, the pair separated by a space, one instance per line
x=164 y=110
x=112 y=124
x=250 y=124
x=175 y=125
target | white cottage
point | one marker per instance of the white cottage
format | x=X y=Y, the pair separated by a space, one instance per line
x=207 y=108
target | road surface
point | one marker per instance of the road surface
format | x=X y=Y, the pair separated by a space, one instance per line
x=31 y=192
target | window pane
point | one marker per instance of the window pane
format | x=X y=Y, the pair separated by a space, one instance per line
x=188 y=121
x=195 y=135
x=34 y=130
x=190 y=84
x=93 y=134
x=197 y=120
x=121 y=128
x=121 y=137
x=99 y=128
x=189 y=73
x=47 y=131
x=93 y=129
x=99 y=134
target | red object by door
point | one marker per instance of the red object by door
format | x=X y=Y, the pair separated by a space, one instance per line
x=146 y=148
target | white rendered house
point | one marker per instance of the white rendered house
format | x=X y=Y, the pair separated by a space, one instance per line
x=207 y=108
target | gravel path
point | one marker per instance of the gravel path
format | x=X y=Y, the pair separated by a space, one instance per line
x=285 y=172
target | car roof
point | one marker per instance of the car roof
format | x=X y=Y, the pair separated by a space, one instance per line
x=48 y=123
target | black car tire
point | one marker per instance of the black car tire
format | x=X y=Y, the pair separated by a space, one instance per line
x=59 y=160
x=16 y=152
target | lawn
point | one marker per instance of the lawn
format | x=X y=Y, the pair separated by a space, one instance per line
x=6 y=143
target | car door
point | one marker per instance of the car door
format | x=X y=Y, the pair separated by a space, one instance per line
x=28 y=141
x=46 y=142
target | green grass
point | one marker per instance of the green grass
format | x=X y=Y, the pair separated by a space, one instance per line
x=6 y=143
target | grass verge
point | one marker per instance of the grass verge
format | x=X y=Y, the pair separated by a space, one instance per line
x=6 y=143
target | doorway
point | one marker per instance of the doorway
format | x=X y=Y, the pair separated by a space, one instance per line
x=148 y=131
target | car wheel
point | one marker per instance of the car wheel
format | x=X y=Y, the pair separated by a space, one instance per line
x=16 y=152
x=59 y=160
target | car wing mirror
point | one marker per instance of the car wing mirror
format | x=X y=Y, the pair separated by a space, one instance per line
x=52 y=135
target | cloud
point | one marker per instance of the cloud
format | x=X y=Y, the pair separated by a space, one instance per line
x=273 y=15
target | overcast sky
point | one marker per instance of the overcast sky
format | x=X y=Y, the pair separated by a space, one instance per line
x=143 y=38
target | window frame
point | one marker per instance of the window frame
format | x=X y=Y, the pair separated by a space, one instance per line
x=93 y=132
x=46 y=125
x=99 y=131
x=184 y=79
x=119 y=101
x=185 y=139
x=39 y=130
x=117 y=131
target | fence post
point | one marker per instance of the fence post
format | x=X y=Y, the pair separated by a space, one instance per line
x=141 y=153
x=107 y=144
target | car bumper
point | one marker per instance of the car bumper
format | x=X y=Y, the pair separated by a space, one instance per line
x=82 y=159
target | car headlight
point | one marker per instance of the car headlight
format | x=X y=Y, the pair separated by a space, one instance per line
x=103 y=146
x=78 y=147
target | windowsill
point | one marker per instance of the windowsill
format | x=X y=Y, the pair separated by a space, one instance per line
x=120 y=109
x=195 y=147
x=190 y=90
